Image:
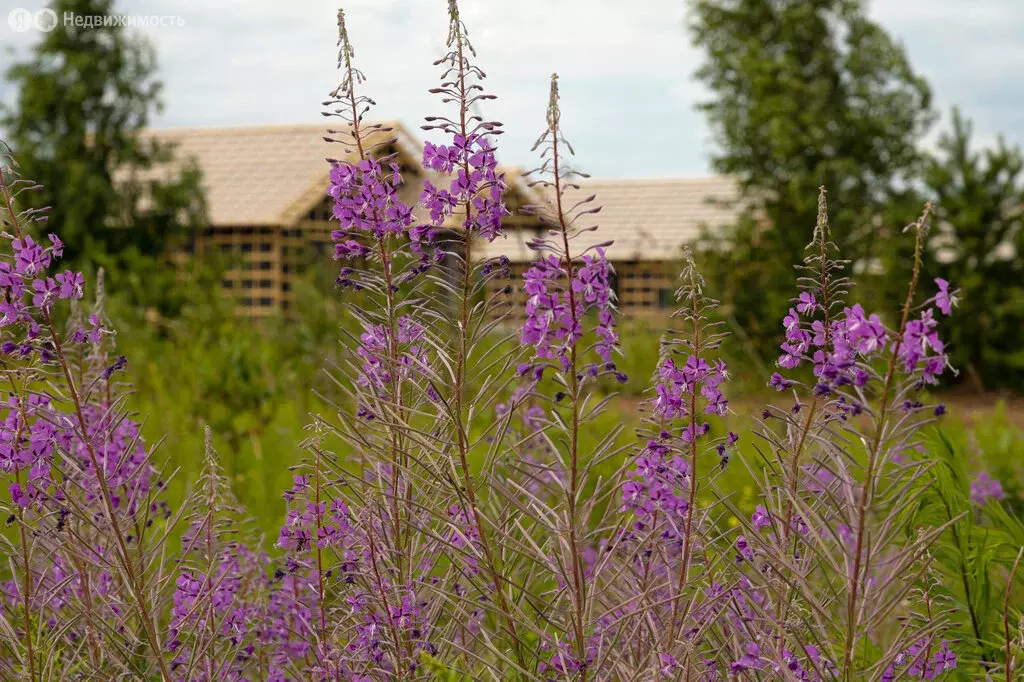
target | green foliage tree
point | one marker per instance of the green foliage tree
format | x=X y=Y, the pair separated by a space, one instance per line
x=978 y=245
x=804 y=93
x=83 y=96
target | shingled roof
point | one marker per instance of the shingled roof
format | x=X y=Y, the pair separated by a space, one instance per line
x=645 y=219
x=260 y=175
x=273 y=175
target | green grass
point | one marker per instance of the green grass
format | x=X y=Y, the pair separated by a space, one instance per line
x=256 y=387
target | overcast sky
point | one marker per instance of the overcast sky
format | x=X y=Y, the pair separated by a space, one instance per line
x=625 y=66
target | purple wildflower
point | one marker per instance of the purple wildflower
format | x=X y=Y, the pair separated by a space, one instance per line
x=554 y=317
x=366 y=201
x=760 y=519
x=477 y=184
x=750 y=660
x=375 y=348
x=944 y=300
x=985 y=488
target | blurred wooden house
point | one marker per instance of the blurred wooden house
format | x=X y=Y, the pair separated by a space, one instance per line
x=268 y=210
x=648 y=222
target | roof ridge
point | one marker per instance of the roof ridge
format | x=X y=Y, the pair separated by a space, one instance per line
x=651 y=181
x=250 y=129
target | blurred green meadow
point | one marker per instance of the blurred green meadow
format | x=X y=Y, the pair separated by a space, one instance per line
x=258 y=385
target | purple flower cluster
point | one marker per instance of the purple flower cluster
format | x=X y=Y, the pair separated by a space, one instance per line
x=658 y=484
x=561 y=659
x=78 y=471
x=27 y=275
x=840 y=352
x=26 y=290
x=121 y=452
x=58 y=587
x=921 y=349
x=366 y=202
x=215 y=603
x=404 y=616
x=285 y=624
x=678 y=388
x=753 y=659
x=985 y=488
x=476 y=184
x=916 y=663
x=29 y=434
x=375 y=350
x=329 y=549
x=32 y=431
x=554 y=317
x=368 y=208
x=834 y=351
x=313 y=524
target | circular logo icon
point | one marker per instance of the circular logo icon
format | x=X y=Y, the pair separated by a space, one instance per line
x=46 y=20
x=20 y=19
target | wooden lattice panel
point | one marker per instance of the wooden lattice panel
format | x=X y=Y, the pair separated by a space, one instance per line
x=644 y=287
x=254 y=277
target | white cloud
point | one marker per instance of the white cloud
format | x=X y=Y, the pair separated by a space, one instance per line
x=625 y=67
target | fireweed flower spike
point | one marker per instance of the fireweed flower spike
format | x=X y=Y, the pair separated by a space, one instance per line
x=364 y=529
x=664 y=534
x=372 y=219
x=808 y=330
x=562 y=287
x=219 y=586
x=464 y=209
x=833 y=507
x=567 y=285
x=71 y=454
x=335 y=599
x=473 y=196
x=679 y=456
x=916 y=346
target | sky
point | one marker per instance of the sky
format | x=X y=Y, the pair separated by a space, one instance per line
x=625 y=67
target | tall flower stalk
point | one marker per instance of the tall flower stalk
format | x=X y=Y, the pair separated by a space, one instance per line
x=42 y=353
x=837 y=513
x=564 y=285
x=472 y=208
x=371 y=218
x=912 y=347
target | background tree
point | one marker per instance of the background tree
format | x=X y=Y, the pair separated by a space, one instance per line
x=84 y=94
x=804 y=93
x=977 y=244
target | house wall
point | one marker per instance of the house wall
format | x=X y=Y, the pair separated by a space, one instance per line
x=254 y=275
x=264 y=262
x=643 y=288
x=268 y=260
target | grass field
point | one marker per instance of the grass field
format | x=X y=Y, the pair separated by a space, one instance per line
x=988 y=430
